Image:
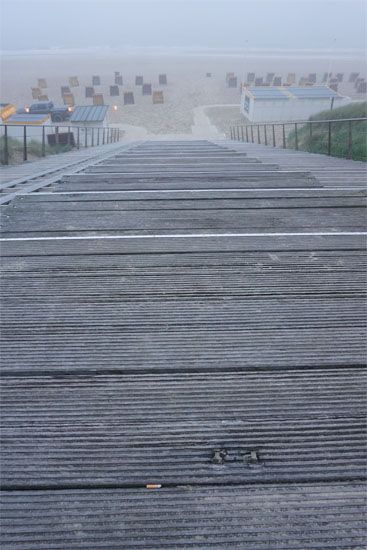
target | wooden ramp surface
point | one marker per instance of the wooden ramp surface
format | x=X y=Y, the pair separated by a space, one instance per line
x=188 y=315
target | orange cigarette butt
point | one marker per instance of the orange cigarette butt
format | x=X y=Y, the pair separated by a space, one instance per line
x=153 y=486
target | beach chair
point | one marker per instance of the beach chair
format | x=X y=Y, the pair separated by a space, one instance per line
x=158 y=97
x=98 y=99
x=89 y=91
x=147 y=89
x=36 y=93
x=73 y=81
x=65 y=90
x=68 y=100
x=129 y=98
x=114 y=91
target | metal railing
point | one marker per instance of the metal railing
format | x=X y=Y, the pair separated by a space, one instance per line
x=39 y=141
x=316 y=136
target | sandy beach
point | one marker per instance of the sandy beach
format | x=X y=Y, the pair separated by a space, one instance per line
x=194 y=105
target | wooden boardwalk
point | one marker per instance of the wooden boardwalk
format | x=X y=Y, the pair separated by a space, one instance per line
x=188 y=316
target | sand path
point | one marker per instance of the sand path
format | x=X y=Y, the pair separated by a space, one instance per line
x=201 y=129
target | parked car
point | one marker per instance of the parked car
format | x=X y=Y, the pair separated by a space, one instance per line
x=58 y=114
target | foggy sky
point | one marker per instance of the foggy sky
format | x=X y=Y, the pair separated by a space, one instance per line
x=294 y=24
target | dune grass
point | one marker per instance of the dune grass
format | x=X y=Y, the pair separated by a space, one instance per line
x=317 y=141
x=34 y=149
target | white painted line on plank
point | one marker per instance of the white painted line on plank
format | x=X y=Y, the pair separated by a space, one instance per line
x=184 y=236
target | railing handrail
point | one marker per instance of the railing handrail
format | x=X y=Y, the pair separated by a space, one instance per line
x=303 y=121
x=59 y=124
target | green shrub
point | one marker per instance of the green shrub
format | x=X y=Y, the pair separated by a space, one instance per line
x=317 y=142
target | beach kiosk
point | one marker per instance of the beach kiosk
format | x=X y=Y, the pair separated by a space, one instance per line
x=287 y=103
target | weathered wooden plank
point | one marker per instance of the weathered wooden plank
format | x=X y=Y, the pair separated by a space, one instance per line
x=49 y=223
x=222 y=243
x=250 y=196
x=172 y=201
x=285 y=517
x=110 y=451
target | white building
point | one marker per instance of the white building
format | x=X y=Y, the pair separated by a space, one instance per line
x=286 y=103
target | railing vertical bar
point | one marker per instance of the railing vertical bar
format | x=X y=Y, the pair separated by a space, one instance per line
x=98 y=136
x=92 y=137
x=57 y=135
x=258 y=134
x=329 y=139
x=242 y=134
x=296 y=135
x=86 y=137
x=274 y=141
x=265 y=135
x=231 y=132
x=6 y=145
x=246 y=133
x=284 y=140
x=43 y=141
x=78 y=138
x=25 y=156
x=103 y=136
x=252 y=133
x=350 y=140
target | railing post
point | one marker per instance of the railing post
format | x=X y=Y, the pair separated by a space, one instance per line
x=296 y=135
x=238 y=133
x=329 y=139
x=246 y=133
x=258 y=134
x=284 y=140
x=69 y=137
x=43 y=142
x=6 y=145
x=231 y=132
x=274 y=142
x=78 y=138
x=92 y=137
x=350 y=141
x=25 y=156
x=85 y=137
x=56 y=135
x=103 y=138
x=242 y=134
x=252 y=133
x=98 y=136
x=265 y=135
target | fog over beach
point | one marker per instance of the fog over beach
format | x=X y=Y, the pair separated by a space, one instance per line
x=185 y=40
x=188 y=87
